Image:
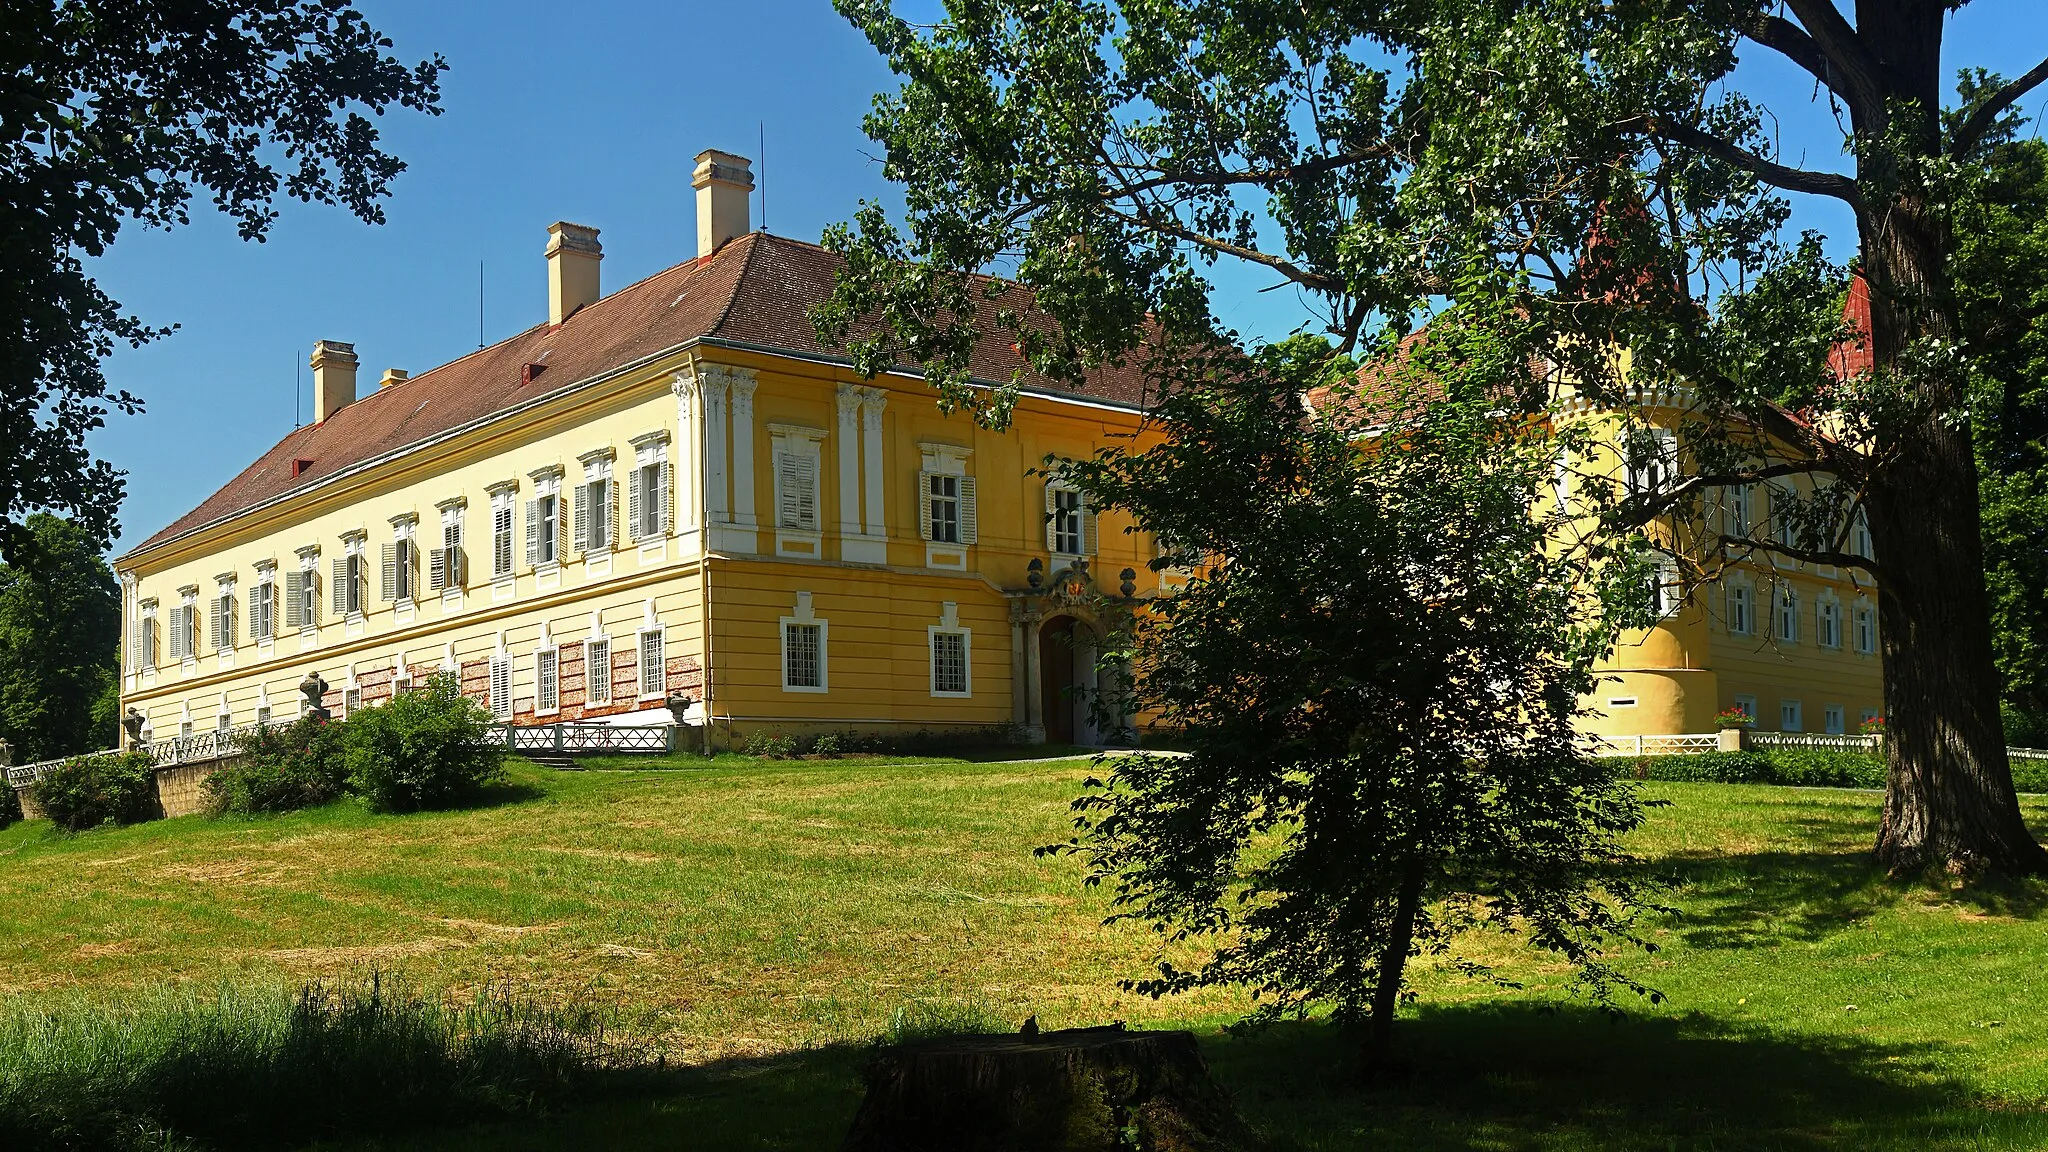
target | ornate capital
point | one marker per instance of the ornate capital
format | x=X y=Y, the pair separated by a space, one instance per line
x=849 y=398
x=684 y=383
x=872 y=401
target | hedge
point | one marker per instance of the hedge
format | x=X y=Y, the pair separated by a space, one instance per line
x=1799 y=767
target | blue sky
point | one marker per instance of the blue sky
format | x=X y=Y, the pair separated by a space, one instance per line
x=589 y=113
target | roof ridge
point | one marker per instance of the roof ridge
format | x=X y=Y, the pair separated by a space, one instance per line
x=746 y=266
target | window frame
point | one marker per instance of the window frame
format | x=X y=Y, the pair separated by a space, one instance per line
x=547 y=681
x=660 y=670
x=500 y=680
x=966 y=638
x=504 y=532
x=1785 y=615
x=592 y=669
x=1791 y=715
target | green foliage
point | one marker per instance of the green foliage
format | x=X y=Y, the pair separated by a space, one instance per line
x=60 y=638
x=771 y=745
x=428 y=748
x=10 y=804
x=88 y=791
x=1799 y=767
x=119 y=115
x=270 y=1069
x=1375 y=669
x=281 y=768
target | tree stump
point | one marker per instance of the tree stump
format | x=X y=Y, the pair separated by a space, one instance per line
x=1079 y=1090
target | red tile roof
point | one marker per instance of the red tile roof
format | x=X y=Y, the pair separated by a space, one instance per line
x=758 y=290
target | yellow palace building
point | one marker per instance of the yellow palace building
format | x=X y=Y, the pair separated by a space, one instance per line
x=671 y=490
x=676 y=491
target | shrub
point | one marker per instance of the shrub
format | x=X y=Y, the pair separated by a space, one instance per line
x=267 y=1068
x=286 y=767
x=1803 y=767
x=10 y=804
x=770 y=746
x=428 y=748
x=88 y=791
x=829 y=745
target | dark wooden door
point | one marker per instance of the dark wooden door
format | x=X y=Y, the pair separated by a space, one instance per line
x=1056 y=671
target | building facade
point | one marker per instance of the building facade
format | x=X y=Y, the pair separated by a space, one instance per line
x=671 y=490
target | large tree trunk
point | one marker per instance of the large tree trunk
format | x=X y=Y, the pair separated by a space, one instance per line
x=1949 y=798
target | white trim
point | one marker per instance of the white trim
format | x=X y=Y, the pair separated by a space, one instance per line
x=803 y=616
x=640 y=664
x=949 y=625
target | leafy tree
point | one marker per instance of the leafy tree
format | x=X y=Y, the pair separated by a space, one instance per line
x=113 y=113
x=1579 y=175
x=60 y=637
x=2002 y=242
x=1376 y=665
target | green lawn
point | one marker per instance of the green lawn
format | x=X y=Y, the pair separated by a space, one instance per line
x=767 y=921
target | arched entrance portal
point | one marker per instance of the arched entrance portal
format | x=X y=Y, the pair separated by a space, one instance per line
x=1066 y=665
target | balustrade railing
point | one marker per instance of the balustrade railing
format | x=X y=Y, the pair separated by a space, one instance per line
x=568 y=738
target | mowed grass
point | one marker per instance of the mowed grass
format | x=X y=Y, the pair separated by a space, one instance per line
x=765 y=921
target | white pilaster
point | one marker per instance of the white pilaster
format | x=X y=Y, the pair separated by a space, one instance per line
x=686 y=456
x=743 y=385
x=718 y=508
x=873 y=547
x=847 y=448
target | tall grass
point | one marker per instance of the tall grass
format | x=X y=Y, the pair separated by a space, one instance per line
x=268 y=1068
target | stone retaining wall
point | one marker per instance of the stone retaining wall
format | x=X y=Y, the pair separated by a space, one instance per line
x=179 y=790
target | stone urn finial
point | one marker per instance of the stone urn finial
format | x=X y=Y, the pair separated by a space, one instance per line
x=678 y=706
x=132 y=722
x=315 y=689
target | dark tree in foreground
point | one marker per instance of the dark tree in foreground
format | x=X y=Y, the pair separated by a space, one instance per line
x=60 y=635
x=1376 y=663
x=1412 y=153
x=113 y=113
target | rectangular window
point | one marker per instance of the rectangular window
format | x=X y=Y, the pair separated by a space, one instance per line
x=547 y=688
x=1741 y=510
x=351 y=700
x=647 y=496
x=445 y=564
x=501 y=536
x=653 y=677
x=223 y=722
x=1747 y=704
x=400 y=570
x=543 y=525
x=1789 y=717
x=1859 y=536
x=263 y=714
x=223 y=619
x=1827 y=622
x=1835 y=719
x=803 y=656
x=263 y=611
x=1652 y=459
x=1867 y=715
x=796 y=489
x=1069 y=522
x=1667 y=591
x=597 y=671
x=501 y=686
x=1788 y=616
x=949 y=662
x=594 y=516
x=348 y=584
x=1866 y=629
x=945 y=507
x=1741 y=610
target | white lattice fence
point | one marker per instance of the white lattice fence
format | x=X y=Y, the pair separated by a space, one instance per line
x=1813 y=740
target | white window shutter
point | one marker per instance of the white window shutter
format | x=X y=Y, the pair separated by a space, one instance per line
x=340 y=586
x=1087 y=526
x=582 y=525
x=807 y=492
x=970 y=524
x=389 y=571
x=295 y=599
x=634 y=499
x=437 y=569
x=611 y=514
x=661 y=497
x=788 y=501
x=177 y=634
x=532 y=533
x=214 y=632
x=924 y=505
x=1052 y=505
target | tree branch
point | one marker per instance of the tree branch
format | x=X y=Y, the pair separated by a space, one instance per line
x=1824 y=556
x=1850 y=62
x=1174 y=228
x=1979 y=122
x=1792 y=42
x=1770 y=172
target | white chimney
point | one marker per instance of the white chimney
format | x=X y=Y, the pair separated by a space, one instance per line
x=573 y=254
x=724 y=184
x=334 y=378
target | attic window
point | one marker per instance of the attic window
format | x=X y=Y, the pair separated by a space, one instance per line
x=300 y=466
x=530 y=371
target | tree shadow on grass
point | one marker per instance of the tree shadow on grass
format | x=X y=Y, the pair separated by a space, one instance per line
x=1527 y=1077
